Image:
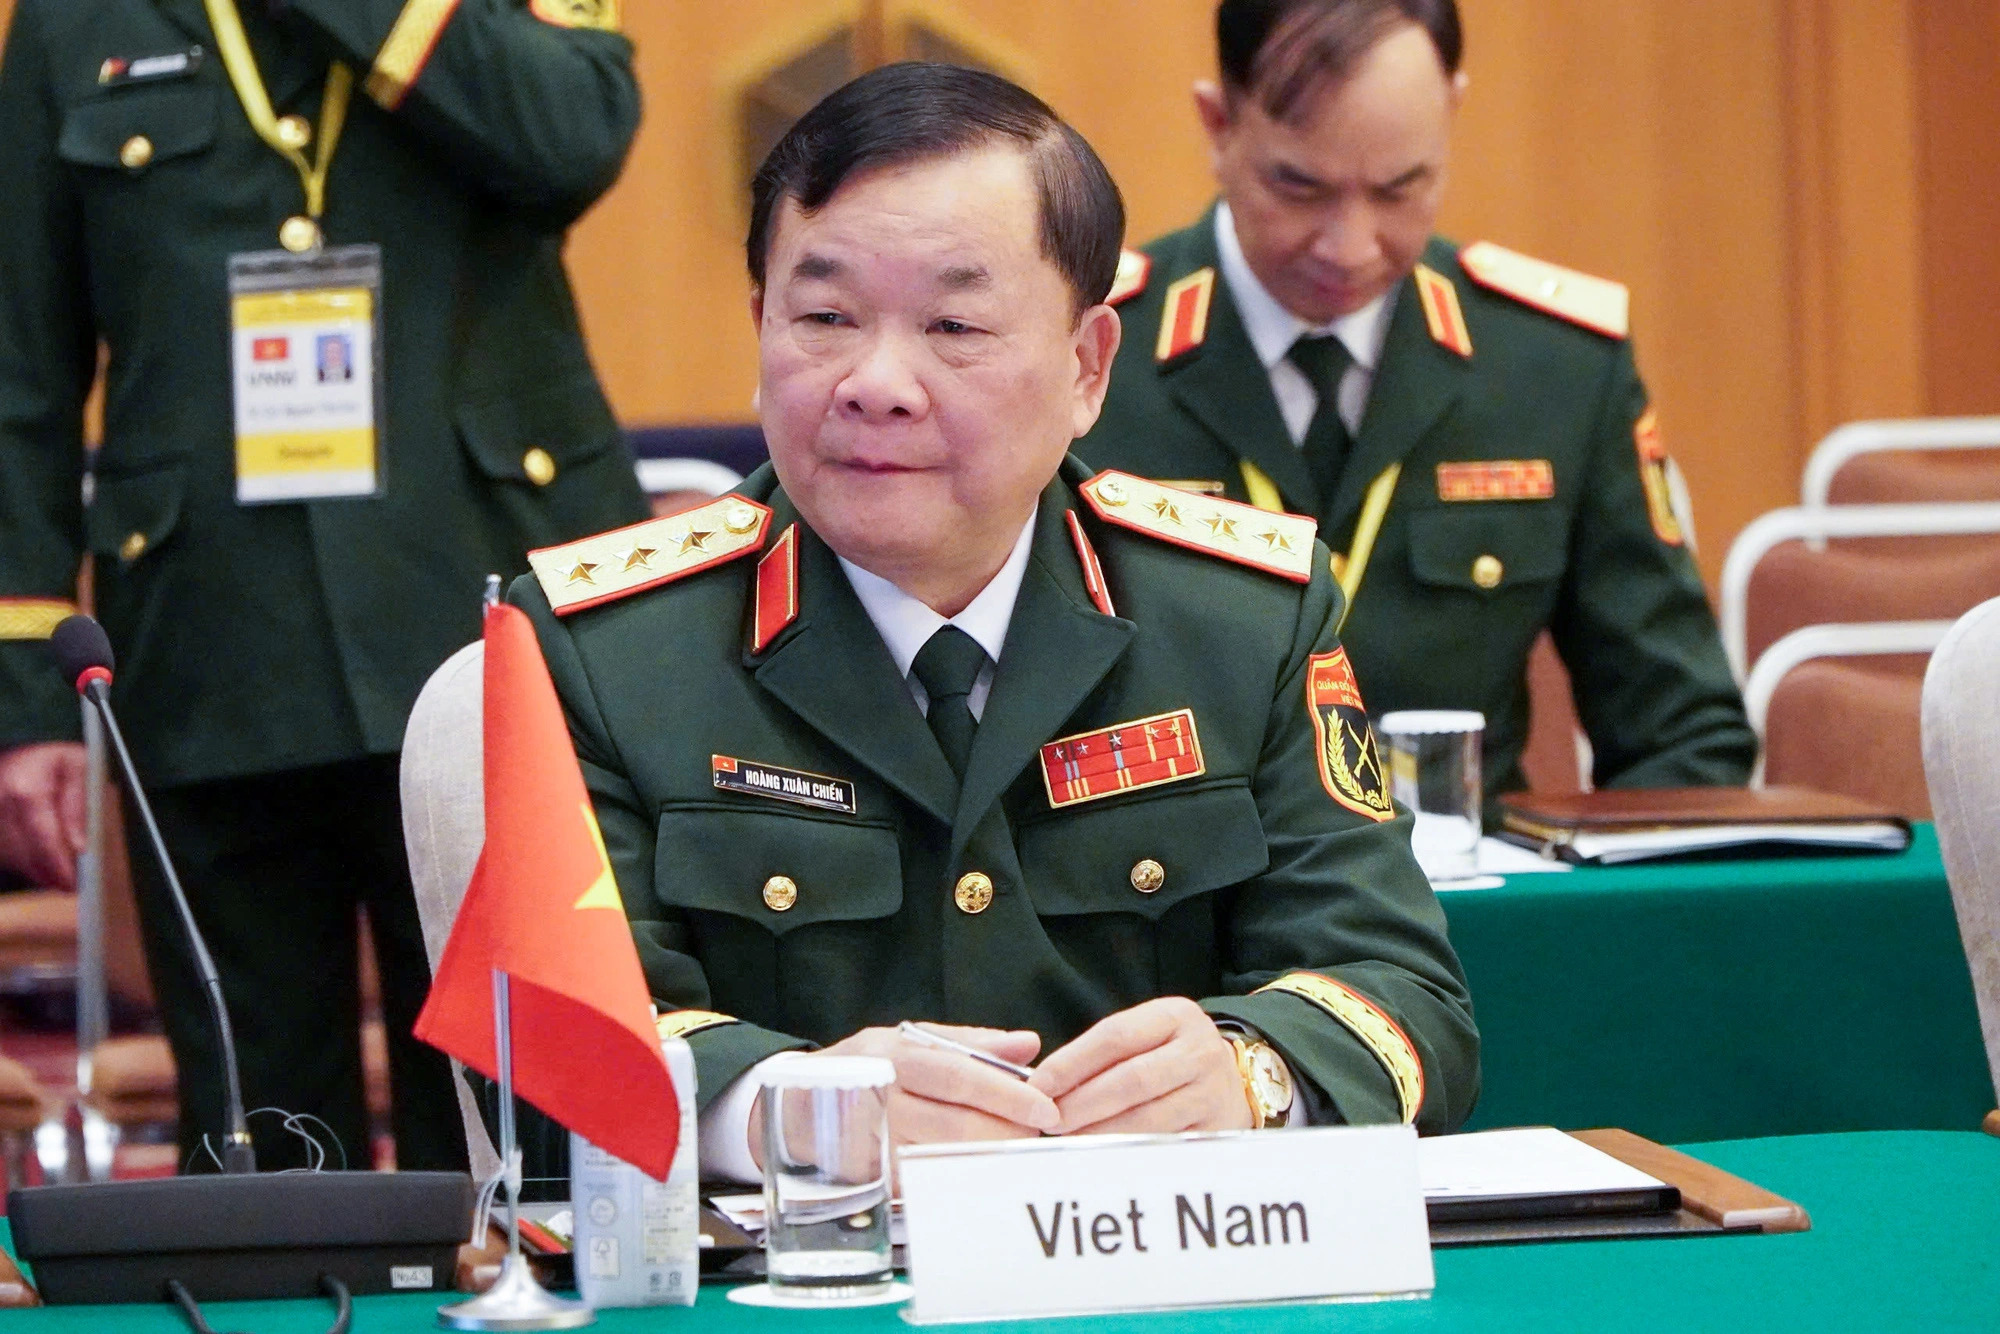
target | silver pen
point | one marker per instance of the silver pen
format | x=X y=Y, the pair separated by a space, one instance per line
x=923 y=1037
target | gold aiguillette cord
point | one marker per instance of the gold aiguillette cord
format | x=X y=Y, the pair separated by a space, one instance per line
x=249 y=84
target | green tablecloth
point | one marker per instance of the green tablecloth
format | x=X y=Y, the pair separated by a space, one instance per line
x=1903 y=1239
x=1725 y=1000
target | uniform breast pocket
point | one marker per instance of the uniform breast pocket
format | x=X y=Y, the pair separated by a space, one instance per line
x=784 y=908
x=1135 y=891
x=1491 y=550
x=137 y=130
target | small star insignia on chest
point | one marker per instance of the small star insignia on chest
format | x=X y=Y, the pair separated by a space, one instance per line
x=1167 y=510
x=640 y=558
x=581 y=574
x=695 y=540
x=1221 y=525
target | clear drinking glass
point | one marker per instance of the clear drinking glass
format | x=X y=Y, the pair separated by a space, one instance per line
x=826 y=1175
x=1434 y=770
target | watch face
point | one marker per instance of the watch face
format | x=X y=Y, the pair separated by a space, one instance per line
x=1274 y=1080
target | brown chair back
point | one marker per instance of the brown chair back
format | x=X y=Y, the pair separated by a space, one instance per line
x=1854 y=726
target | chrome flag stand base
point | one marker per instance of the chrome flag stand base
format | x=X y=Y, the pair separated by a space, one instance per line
x=516 y=1300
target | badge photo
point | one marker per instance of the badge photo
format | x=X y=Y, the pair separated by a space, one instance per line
x=1350 y=763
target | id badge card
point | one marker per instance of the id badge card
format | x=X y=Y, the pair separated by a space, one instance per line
x=304 y=334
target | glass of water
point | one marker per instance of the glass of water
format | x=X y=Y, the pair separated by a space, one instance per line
x=827 y=1175
x=1434 y=770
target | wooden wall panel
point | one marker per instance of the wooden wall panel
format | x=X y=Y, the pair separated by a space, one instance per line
x=1958 y=100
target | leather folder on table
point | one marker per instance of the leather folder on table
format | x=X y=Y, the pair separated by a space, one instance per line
x=1621 y=825
x=1700 y=1200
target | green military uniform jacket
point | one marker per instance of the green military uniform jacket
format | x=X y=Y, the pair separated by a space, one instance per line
x=260 y=638
x=1581 y=540
x=764 y=924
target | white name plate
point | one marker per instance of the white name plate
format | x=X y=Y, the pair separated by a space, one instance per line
x=1101 y=1223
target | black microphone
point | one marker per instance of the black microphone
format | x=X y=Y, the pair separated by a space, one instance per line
x=244 y=1235
x=83 y=652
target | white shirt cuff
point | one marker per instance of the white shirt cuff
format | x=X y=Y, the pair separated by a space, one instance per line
x=725 y=1130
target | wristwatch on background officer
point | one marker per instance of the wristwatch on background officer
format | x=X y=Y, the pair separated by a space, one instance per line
x=1267 y=1080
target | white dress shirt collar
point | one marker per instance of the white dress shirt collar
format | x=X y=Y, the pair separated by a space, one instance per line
x=906 y=624
x=1273 y=329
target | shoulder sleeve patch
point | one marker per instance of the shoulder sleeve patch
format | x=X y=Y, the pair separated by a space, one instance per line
x=1134 y=268
x=595 y=570
x=1280 y=544
x=1184 y=319
x=1598 y=304
x=599 y=14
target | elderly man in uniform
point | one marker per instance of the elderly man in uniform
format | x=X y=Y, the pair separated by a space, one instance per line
x=930 y=724
x=320 y=242
x=1468 y=425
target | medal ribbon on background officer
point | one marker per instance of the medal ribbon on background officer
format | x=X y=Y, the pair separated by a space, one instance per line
x=297 y=234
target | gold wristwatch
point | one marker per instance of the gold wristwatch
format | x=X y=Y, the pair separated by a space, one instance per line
x=1267 y=1081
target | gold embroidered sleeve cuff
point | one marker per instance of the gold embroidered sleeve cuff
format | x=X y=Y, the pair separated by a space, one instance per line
x=680 y=1023
x=1379 y=1033
x=407 y=48
x=32 y=618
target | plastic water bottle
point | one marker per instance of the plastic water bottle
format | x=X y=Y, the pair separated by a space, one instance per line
x=638 y=1241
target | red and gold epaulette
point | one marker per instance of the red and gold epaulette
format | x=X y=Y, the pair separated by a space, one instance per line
x=1280 y=544
x=1184 y=315
x=1598 y=304
x=1134 y=268
x=595 y=570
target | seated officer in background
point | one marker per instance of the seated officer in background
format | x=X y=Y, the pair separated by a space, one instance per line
x=1467 y=425
x=930 y=724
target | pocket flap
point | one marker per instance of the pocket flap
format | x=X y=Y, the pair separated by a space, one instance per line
x=1095 y=858
x=133 y=514
x=533 y=437
x=776 y=868
x=1489 y=546
x=174 y=121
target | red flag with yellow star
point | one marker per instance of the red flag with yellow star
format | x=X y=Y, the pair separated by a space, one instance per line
x=543 y=907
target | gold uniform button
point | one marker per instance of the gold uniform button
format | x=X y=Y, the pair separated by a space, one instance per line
x=1112 y=492
x=739 y=518
x=133 y=547
x=780 y=893
x=541 y=469
x=1148 y=876
x=294 y=131
x=1487 y=571
x=137 y=152
x=298 y=234
x=974 y=894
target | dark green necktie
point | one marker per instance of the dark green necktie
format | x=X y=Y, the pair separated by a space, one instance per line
x=946 y=666
x=1324 y=359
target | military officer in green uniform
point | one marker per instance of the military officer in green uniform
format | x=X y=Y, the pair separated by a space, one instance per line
x=1468 y=425
x=928 y=724
x=320 y=242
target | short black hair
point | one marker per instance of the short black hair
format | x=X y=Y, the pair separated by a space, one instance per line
x=1280 y=50
x=915 y=110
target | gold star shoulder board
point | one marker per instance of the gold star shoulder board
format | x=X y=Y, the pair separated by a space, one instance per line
x=599 y=14
x=1280 y=544
x=595 y=570
x=1598 y=304
x=1134 y=268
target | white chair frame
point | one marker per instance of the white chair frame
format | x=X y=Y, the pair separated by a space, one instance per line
x=659 y=476
x=1848 y=442
x=1852 y=639
x=1768 y=531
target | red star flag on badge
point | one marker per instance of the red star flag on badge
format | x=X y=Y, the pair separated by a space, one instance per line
x=543 y=907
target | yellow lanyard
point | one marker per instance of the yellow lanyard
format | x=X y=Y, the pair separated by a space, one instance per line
x=249 y=85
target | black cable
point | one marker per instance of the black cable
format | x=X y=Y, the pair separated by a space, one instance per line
x=343 y=1305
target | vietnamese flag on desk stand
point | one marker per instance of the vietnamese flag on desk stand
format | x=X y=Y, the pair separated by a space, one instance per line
x=543 y=907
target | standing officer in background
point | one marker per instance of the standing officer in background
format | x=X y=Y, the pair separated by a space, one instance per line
x=1468 y=425
x=929 y=724
x=321 y=241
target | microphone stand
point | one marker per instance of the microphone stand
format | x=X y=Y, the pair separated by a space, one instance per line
x=238 y=1157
